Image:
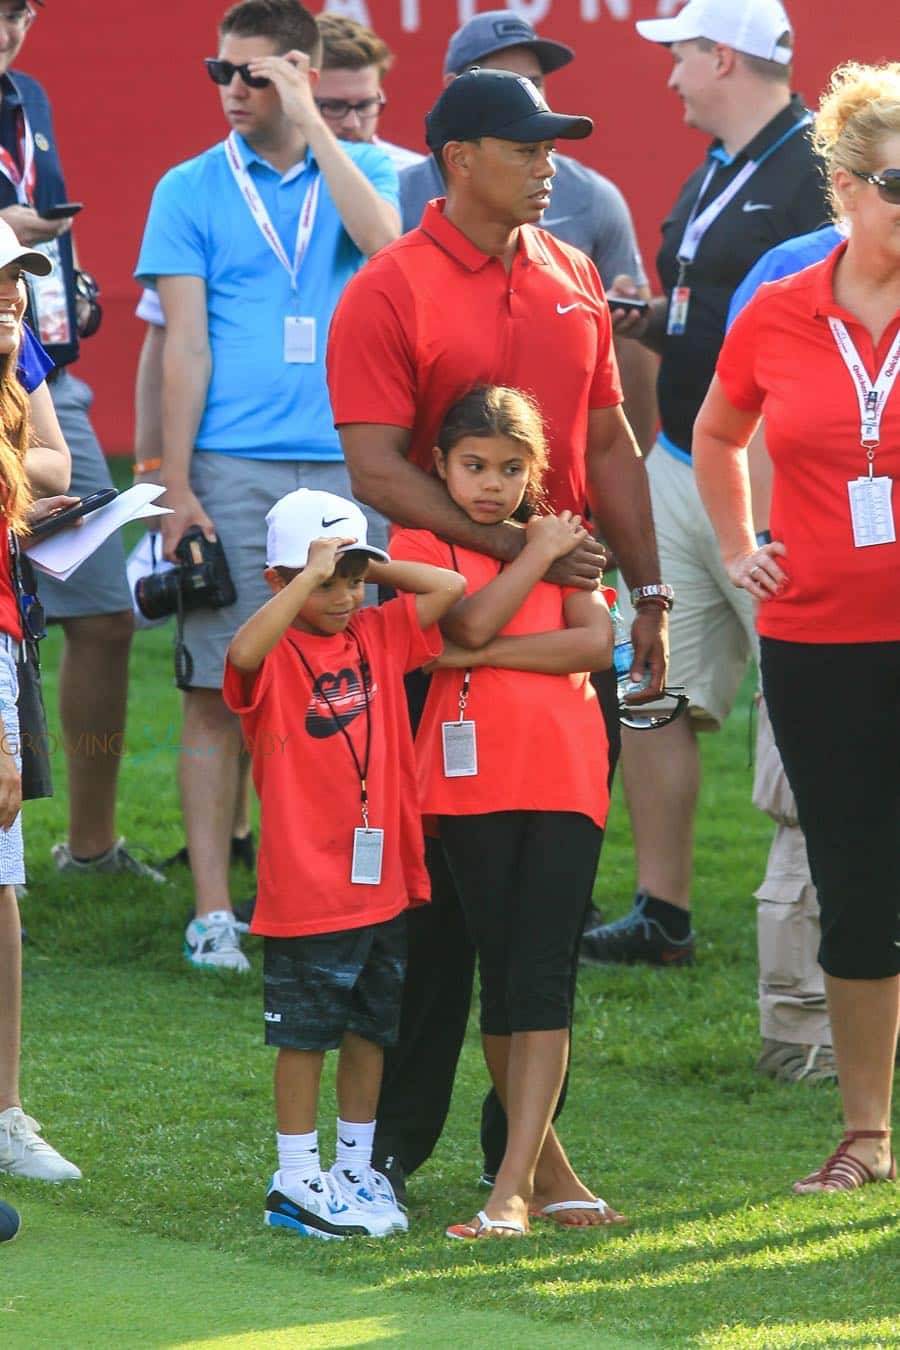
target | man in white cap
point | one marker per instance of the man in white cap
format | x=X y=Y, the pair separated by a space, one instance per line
x=759 y=184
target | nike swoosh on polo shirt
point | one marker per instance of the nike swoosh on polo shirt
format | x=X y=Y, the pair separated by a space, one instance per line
x=757 y=206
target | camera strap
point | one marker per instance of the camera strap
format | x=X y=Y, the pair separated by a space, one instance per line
x=184 y=662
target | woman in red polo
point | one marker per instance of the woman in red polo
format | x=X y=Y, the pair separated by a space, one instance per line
x=818 y=356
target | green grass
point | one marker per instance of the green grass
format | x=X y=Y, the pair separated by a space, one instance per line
x=154 y=1079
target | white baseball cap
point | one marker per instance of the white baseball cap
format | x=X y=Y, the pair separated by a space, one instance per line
x=12 y=251
x=303 y=516
x=753 y=27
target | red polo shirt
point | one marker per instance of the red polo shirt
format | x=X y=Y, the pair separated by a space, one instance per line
x=780 y=359
x=431 y=315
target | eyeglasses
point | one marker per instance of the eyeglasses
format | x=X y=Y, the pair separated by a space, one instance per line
x=223 y=72
x=670 y=704
x=18 y=19
x=337 y=109
x=887 y=183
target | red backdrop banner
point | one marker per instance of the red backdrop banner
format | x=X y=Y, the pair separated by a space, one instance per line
x=131 y=98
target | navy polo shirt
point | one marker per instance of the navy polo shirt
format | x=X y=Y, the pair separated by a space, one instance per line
x=786 y=196
x=258 y=405
x=20 y=90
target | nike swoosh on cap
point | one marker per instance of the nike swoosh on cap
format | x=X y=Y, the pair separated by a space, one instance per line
x=327 y=524
x=757 y=206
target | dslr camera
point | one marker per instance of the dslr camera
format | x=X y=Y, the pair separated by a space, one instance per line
x=200 y=580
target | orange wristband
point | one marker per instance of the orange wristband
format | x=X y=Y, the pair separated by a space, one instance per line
x=146 y=466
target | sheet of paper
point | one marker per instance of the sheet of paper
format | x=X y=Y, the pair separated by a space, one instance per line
x=62 y=553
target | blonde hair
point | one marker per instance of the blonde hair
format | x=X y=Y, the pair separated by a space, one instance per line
x=15 y=437
x=860 y=107
x=493 y=410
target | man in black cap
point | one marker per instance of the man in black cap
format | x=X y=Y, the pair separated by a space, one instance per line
x=587 y=209
x=529 y=312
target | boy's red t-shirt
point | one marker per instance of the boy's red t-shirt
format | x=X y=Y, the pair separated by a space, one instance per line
x=308 y=784
x=541 y=739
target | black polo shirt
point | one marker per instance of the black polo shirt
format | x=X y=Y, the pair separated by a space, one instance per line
x=784 y=197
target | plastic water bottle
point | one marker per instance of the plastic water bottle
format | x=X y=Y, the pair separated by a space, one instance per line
x=623 y=656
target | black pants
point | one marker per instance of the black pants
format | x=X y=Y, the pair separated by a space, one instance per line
x=835 y=712
x=524 y=880
x=419 y=1071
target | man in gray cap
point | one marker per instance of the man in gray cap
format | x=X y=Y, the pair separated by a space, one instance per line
x=587 y=210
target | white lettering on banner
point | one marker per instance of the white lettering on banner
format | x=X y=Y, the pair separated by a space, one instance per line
x=589 y=11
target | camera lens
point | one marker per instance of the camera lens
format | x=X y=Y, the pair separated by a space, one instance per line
x=157 y=594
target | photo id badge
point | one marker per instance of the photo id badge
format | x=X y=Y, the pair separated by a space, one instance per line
x=871 y=512
x=299 y=340
x=678 y=311
x=49 y=302
x=460 y=749
x=368 y=850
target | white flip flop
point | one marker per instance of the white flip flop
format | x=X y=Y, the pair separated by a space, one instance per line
x=464 y=1232
x=562 y=1206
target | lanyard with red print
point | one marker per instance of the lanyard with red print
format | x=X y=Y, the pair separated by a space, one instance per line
x=21 y=175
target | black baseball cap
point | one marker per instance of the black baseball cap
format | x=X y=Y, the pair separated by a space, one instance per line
x=502 y=104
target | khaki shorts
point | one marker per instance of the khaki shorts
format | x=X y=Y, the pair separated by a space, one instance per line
x=712 y=634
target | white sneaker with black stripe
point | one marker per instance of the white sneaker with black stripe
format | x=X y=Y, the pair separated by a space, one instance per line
x=213 y=942
x=318 y=1208
x=369 y=1190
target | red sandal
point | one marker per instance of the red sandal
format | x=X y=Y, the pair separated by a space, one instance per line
x=843 y=1171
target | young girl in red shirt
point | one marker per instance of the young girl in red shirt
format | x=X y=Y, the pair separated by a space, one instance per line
x=512 y=763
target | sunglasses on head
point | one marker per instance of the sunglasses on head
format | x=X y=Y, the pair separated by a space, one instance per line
x=223 y=72
x=887 y=183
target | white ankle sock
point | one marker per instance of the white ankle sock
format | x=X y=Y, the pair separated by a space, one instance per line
x=354 y=1143
x=298 y=1158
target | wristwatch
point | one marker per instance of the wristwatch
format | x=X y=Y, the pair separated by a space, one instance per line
x=657 y=591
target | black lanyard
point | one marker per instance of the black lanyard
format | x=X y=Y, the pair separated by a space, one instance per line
x=362 y=769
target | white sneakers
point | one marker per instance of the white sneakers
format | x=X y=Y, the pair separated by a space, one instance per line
x=214 y=942
x=371 y=1192
x=318 y=1208
x=23 y=1153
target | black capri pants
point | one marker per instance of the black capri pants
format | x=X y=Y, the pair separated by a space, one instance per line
x=523 y=878
x=835 y=711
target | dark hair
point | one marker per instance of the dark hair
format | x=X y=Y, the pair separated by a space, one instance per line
x=347 y=45
x=493 y=410
x=288 y=24
x=353 y=563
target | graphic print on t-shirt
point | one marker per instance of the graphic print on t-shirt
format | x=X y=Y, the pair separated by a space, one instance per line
x=337 y=700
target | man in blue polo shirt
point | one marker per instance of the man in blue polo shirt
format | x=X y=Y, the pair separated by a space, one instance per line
x=249 y=247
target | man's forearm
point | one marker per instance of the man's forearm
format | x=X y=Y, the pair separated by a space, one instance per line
x=620 y=502
x=370 y=221
x=186 y=375
x=407 y=496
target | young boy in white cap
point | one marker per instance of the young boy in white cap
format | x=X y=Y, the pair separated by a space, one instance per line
x=318 y=684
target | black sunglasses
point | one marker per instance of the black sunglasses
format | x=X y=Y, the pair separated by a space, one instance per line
x=887 y=183
x=223 y=72
x=671 y=704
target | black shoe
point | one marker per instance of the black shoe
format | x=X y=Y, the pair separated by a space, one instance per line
x=636 y=939
x=243 y=850
x=244 y=913
x=593 y=920
x=488 y=1179
x=392 y=1168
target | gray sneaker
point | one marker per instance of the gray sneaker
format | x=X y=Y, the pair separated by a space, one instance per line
x=116 y=859
x=790 y=1063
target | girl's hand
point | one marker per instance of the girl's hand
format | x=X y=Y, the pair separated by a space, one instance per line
x=44 y=507
x=555 y=535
